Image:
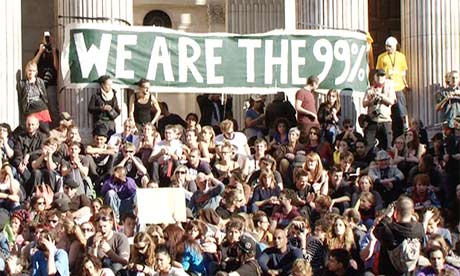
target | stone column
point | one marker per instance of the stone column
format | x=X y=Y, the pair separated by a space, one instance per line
x=11 y=60
x=430 y=38
x=336 y=14
x=75 y=101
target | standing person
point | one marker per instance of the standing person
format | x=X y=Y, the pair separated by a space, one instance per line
x=305 y=106
x=47 y=59
x=254 y=119
x=32 y=96
x=143 y=106
x=395 y=229
x=394 y=64
x=378 y=101
x=104 y=105
x=213 y=110
x=329 y=116
x=448 y=100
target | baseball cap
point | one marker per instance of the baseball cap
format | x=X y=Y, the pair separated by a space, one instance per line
x=247 y=244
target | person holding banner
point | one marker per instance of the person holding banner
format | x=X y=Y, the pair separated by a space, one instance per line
x=305 y=106
x=143 y=106
x=104 y=105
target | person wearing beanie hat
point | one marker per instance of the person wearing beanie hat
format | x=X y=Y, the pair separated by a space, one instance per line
x=394 y=64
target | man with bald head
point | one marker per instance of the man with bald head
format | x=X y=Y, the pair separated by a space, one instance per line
x=397 y=225
x=27 y=147
x=278 y=259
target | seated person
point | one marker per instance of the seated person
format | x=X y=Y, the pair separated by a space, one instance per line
x=349 y=133
x=129 y=134
x=111 y=247
x=285 y=212
x=44 y=166
x=338 y=191
x=196 y=165
x=228 y=249
x=232 y=204
x=133 y=164
x=208 y=193
x=60 y=132
x=278 y=259
x=338 y=263
x=79 y=204
x=251 y=163
x=49 y=260
x=363 y=157
x=100 y=155
x=10 y=190
x=76 y=167
x=165 y=157
x=387 y=179
x=119 y=192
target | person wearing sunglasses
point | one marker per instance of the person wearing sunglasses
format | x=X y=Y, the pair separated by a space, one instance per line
x=142 y=254
x=119 y=192
x=111 y=247
x=133 y=164
x=88 y=229
x=182 y=179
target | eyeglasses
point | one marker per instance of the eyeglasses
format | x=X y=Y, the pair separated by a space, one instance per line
x=40 y=203
x=87 y=230
x=53 y=221
x=181 y=172
x=103 y=218
x=129 y=151
x=349 y=126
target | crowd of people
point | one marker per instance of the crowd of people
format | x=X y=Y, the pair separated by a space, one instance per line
x=298 y=191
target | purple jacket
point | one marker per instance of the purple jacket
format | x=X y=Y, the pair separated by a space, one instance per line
x=124 y=190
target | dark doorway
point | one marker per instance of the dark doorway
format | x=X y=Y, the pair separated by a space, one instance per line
x=384 y=21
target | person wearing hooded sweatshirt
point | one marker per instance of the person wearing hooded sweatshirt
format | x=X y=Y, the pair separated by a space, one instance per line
x=397 y=225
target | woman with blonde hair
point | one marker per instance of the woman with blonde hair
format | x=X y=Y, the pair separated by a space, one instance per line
x=142 y=258
x=317 y=175
x=206 y=143
x=340 y=235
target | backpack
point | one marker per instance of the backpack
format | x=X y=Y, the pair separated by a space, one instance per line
x=405 y=256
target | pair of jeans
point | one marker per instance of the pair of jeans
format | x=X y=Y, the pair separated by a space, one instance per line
x=118 y=205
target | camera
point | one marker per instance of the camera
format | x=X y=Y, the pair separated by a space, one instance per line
x=47 y=41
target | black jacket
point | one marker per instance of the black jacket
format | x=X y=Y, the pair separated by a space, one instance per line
x=390 y=234
x=207 y=109
x=95 y=107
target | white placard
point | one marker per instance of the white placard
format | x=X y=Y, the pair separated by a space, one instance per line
x=161 y=205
